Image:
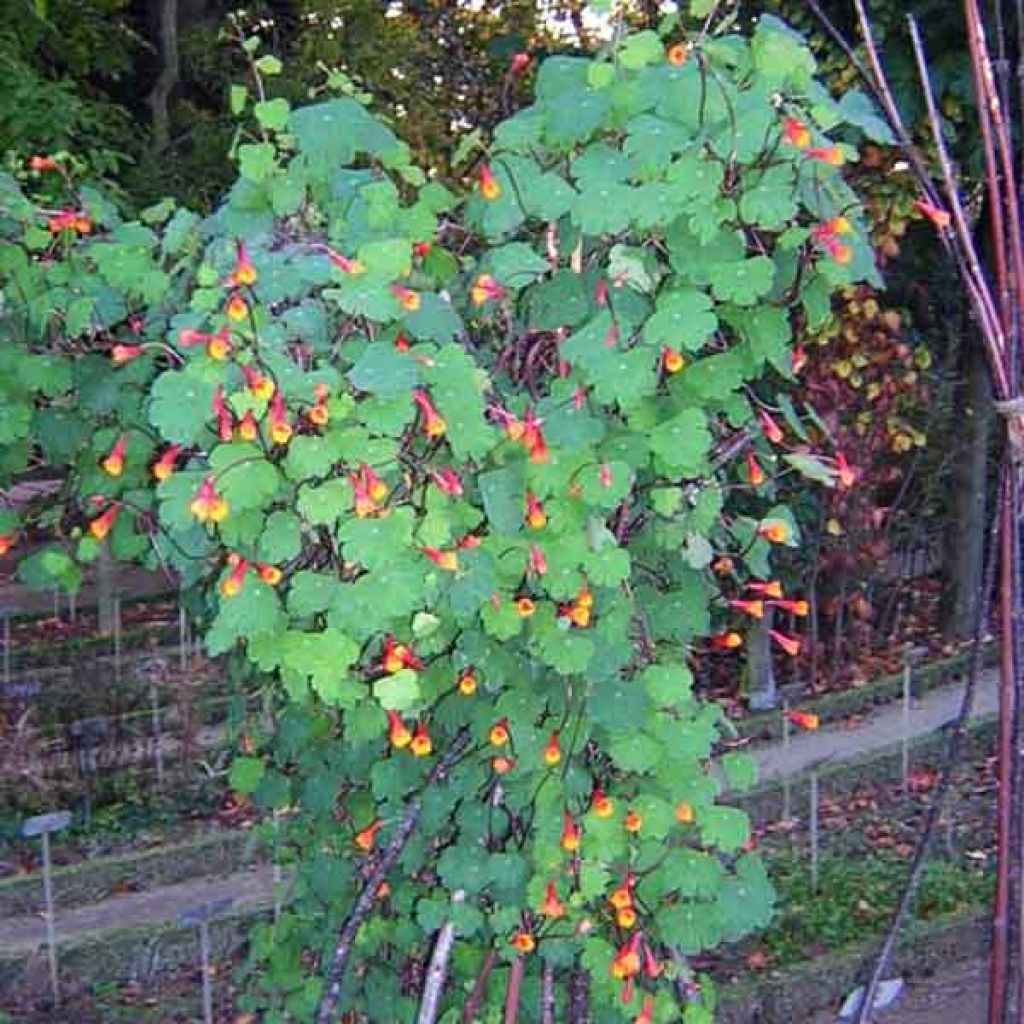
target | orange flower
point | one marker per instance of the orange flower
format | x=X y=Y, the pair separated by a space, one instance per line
x=467 y=683
x=633 y=821
x=502 y=765
x=420 y=744
x=755 y=474
x=68 y=220
x=536 y=562
x=671 y=360
x=447 y=481
x=248 y=428
x=42 y=163
x=625 y=918
x=489 y=187
x=676 y=55
x=232 y=584
x=755 y=609
x=621 y=896
x=773 y=588
x=236 y=309
x=498 y=735
x=446 y=560
x=798 y=608
x=775 y=531
x=626 y=962
x=552 y=906
x=519 y=63
x=395 y=657
x=269 y=574
x=831 y=155
x=280 y=428
x=164 y=466
x=535 y=516
x=244 y=273
x=486 y=289
x=798 y=359
x=684 y=812
x=804 y=720
x=570 y=838
x=646 y=1014
x=208 y=505
x=552 y=752
x=121 y=354
x=433 y=424
x=407 y=298
x=398 y=733
x=795 y=132
x=769 y=427
x=225 y=422
x=364 y=839
x=723 y=565
x=601 y=804
x=421 y=250
x=344 y=264
x=726 y=641
x=789 y=644
x=847 y=474
x=578 y=614
x=7 y=541
x=651 y=966
x=113 y=462
x=525 y=607
x=102 y=524
x=523 y=942
x=319 y=414
x=259 y=384
x=940 y=218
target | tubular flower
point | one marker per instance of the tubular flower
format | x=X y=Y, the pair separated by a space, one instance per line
x=244 y=273
x=237 y=308
x=68 y=220
x=395 y=657
x=433 y=425
x=399 y=735
x=486 y=289
x=847 y=474
x=189 y=337
x=671 y=360
x=421 y=250
x=225 y=421
x=280 y=428
x=498 y=736
x=519 y=63
x=407 y=298
x=626 y=962
x=552 y=751
x=797 y=608
x=248 y=428
x=525 y=607
x=552 y=906
x=447 y=481
x=804 y=720
x=535 y=516
x=467 y=683
x=344 y=264
x=446 y=560
x=318 y=413
x=827 y=236
x=646 y=1014
x=755 y=609
x=633 y=821
x=121 y=354
x=470 y=540
x=601 y=804
x=831 y=155
x=421 y=744
x=102 y=524
x=940 y=218
x=773 y=588
x=604 y=475
x=207 y=505
x=570 y=838
x=775 y=531
x=164 y=466
x=232 y=584
x=621 y=896
x=755 y=474
x=788 y=643
x=364 y=839
x=795 y=132
x=42 y=163
x=488 y=184
x=501 y=765
x=271 y=575
x=7 y=541
x=523 y=942
x=374 y=486
x=259 y=384
x=726 y=641
x=684 y=812
x=723 y=565
x=651 y=966
x=113 y=461
x=798 y=359
x=536 y=562
x=769 y=427
x=625 y=918
x=676 y=55
x=533 y=438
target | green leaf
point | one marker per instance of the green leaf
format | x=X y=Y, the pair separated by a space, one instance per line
x=740 y=771
x=641 y=48
x=682 y=442
x=268 y=64
x=272 y=115
x=238 y=96
x=398 y=692
x=246 y=774
x=684 y=318
x=503 y=493
x=256 y=160
x=383 y=370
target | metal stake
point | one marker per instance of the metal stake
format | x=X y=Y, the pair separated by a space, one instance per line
x=200 y=917
x=906 y=725
x=787 y=795
x=42 y=825
x=117 y=639
x=814 y=831
x=158 y=753
x=7 y=649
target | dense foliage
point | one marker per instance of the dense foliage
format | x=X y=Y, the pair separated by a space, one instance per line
x=455 y=473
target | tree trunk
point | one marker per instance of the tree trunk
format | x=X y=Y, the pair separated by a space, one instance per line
x=170 y=72
x=966 y=541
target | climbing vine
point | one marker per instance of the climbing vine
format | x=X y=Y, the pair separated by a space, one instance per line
x=454 y=472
